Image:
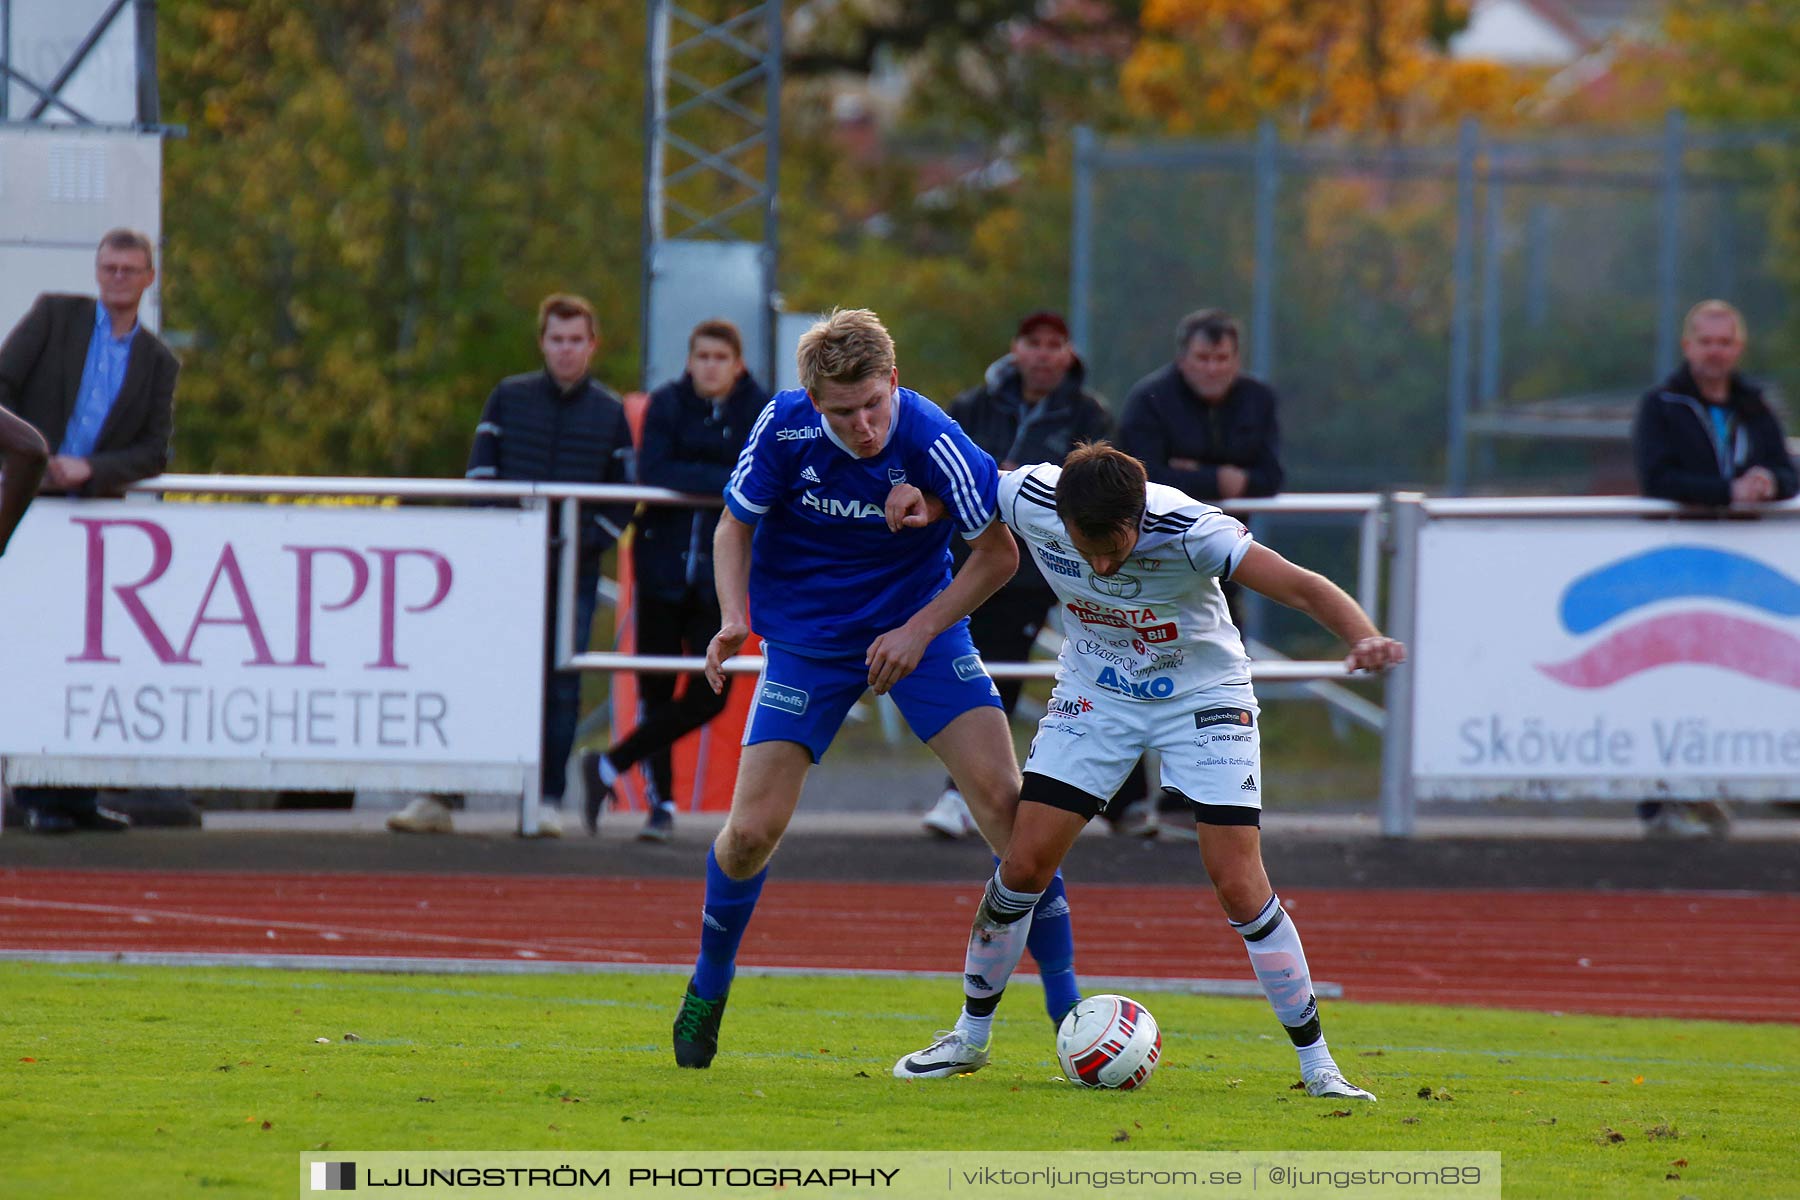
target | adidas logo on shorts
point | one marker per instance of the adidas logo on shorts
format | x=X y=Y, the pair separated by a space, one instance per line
x=1249 y=784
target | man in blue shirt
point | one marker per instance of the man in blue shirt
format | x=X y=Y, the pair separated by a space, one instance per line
x=100 y=388
x=97 y=384
x=804 y=552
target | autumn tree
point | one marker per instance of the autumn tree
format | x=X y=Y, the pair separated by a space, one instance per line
x=1739 y=62
x=989 y=68
x=1363 y=66
x=954 y=218
x=370 y=201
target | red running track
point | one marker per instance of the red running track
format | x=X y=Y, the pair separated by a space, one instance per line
x=1709 y=954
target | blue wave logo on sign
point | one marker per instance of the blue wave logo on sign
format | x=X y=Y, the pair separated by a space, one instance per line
x=1708 y=634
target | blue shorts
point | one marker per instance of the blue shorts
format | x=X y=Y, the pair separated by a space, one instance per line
x=804 y=700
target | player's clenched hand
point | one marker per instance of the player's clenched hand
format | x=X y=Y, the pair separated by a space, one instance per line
x=909 y=508
x=1375 y=654
x=725 y=643
x=894 y=655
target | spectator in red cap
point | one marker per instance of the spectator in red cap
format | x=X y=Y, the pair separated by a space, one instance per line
x=1030 y=408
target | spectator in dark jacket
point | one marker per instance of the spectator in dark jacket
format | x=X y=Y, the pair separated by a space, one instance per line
x=1030 y=408
x=1200 y=424
x=557 y=425
x=1706 y=436
x=693 y=432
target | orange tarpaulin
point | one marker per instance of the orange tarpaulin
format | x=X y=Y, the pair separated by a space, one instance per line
x=705 y=760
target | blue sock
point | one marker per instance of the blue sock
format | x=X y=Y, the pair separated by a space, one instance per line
x=1052 y=945
x=729 y=903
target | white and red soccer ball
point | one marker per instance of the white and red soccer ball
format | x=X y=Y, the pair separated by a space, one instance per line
x=1108 y=1041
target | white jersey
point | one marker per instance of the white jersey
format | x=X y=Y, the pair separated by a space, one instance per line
x=1157 y=629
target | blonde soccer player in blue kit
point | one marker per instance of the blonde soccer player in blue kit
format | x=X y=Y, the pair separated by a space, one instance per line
x=843 y=603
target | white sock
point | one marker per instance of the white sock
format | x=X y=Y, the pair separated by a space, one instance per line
x=996 y=943
x=975 y=1030
x=1314 y=1058
x=1280 y=965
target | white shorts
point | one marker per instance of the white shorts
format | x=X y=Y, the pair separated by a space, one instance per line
x=1209 y=741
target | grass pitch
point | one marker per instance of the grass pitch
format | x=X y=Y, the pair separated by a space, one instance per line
x=150 y=1081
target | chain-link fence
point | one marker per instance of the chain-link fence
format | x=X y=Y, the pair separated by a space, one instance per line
x=1477 y=313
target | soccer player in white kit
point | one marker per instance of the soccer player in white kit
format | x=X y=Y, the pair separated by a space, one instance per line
x=1150 y=661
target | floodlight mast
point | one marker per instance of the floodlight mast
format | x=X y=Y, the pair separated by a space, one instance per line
x=712 y=120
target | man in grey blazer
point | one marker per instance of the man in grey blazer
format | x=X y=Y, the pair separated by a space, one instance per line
x=101 y=389
x=97 y=384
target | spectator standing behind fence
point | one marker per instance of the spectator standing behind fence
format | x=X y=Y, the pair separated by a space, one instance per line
x=1031 y=407
x=85 y=373
x=1705 y=435
x=1204 y=427
x=694 y=430
x=558 y=425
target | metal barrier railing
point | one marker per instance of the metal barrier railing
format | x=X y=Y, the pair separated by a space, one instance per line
x=1367 y=506
x=1398 y=519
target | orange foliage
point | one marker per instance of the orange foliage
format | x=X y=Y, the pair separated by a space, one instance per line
x=1364 y=66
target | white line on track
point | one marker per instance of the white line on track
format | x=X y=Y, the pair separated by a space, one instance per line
x=487 y=966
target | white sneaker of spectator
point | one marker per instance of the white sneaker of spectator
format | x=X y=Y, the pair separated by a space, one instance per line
x=1680 y=822
x=1137 y=819
x=949 y=817
x=549 y=821
x=1177 y=827
x=426 y=814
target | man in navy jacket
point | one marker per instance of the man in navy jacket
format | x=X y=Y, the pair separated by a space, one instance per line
x=1705 y=435
x=1200 y=424
x=557 y=425
x=693 y=431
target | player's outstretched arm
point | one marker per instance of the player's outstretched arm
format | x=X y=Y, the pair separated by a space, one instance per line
x=993 y=557
x=23 y=457
x=1262 y=570
x=731 y=579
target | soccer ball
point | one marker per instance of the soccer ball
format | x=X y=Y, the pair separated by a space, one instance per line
x=1108 y=1042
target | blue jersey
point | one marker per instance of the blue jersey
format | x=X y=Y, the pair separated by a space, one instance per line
x=826 y=575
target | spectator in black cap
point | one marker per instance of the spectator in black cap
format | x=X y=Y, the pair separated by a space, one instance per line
x=1030 y=408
